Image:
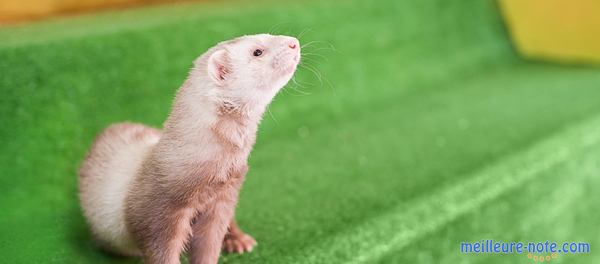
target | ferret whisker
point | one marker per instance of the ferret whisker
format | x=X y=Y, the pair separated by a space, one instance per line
x=271 y=115
x=307 y=56
x=290 y=89
x=308 y=44
x=294 y=81
x=311 y=53
x=276 y=26
x=320 y=76
x=314 y=71
x=329 y=45
x=299 y=92
x=302 y=32
x=319 y=49
x=310 y=62
x=307 y=64
x=303 y=84
x=295 y=86
x=329 y=84
x=272 y=28
x=302 y=93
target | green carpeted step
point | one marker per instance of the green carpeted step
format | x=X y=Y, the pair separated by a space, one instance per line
x=558 y=204
x=408 y=222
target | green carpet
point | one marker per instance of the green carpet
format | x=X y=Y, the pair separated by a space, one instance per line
x=414 y=127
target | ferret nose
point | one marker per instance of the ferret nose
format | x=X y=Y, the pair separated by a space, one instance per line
x=293 y=44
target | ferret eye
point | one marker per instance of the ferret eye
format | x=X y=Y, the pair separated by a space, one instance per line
x=257 y=52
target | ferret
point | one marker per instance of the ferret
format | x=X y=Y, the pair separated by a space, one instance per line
x=155 y=194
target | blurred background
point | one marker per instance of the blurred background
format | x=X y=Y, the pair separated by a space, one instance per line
x=28 y=10
x=411 y=126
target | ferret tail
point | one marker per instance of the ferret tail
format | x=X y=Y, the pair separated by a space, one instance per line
x=104 y=179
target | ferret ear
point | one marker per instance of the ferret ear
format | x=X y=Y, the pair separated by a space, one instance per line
x=219 y=67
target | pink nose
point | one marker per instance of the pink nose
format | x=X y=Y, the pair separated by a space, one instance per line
x=293 y=45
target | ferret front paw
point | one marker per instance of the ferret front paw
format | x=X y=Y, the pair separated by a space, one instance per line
x=238 y=242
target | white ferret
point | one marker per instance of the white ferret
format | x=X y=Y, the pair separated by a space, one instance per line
x=152 y=193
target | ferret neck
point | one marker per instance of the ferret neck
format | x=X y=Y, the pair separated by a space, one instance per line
x=196 y=111
x=250 y=113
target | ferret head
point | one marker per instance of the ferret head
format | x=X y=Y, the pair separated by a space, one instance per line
x=248 y=71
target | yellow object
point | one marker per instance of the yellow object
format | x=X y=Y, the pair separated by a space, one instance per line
x=563 y=30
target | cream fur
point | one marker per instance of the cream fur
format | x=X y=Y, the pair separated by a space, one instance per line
x=133 y=173
x=111 y=165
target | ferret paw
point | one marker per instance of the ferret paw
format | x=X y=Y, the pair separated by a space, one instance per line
x=238 y=243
